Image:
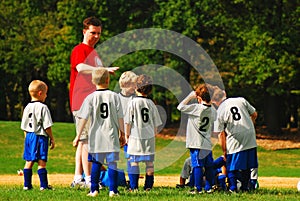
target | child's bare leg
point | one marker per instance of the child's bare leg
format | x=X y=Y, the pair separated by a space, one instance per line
x=149 y=181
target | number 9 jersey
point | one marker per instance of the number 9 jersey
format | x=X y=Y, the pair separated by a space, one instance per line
x=234 y=117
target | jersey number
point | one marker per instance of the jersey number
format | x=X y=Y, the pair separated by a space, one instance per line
x=104 y=110
x=145 y=114
x=235 y=113
x=204 y=123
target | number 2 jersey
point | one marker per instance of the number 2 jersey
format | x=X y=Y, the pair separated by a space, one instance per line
x=104 y=108
x=143 y=117
x=234 y=117
x=199 y=125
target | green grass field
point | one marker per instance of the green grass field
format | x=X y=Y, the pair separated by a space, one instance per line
x=170 y=157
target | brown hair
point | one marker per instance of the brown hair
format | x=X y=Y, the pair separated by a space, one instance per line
x=91 y=21
x=144 y=84
x=203 y=92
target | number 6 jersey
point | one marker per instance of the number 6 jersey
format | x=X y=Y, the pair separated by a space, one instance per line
x=233 y=117
x=143 y=117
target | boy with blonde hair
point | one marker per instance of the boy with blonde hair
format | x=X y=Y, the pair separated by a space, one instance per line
x=127 y=82
x=36 y=124
x=104 y=109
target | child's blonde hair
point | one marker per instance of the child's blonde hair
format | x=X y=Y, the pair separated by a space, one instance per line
x=127 y=79
x=100 y=76
x=36 y=86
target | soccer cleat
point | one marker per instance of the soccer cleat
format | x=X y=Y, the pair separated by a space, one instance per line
x=93 y=194
x=210 y=191
x=25 y=188
x=80 y=184
x=180 y=186
x=193 y=192
x=113 y=194
x=47 y=188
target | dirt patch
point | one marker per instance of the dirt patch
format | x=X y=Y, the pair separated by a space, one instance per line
x=171 y=181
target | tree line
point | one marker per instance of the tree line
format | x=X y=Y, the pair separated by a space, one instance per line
x=254 y=44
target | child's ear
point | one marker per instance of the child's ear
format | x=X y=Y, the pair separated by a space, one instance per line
x=40 y=93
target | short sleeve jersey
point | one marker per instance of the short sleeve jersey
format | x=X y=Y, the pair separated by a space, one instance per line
x=36 y=118
x=143 y=116
x=234 y=117
x=80 y=83
x=186 y=169
x=104 y=108
x=199 y=125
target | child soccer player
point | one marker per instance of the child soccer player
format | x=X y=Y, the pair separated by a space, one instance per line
x=127 y=84
x=36 y=124
x=141 y=120
x=104 y=108
x=198 y=136
x=235 y=123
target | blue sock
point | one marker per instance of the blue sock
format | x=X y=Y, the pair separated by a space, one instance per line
x=210 y=178
x=198 y=178
x=232 y=179
x=221 y=180
x=135 y=174
x=27 y=178
x=95 y=174
x=192 y=179
x=43 y=178
x=113 y=177
x=245 y=177
x=149 y=181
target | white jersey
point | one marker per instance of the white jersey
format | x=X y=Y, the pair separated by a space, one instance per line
x=234 y=117
x=143 y=117
x=124 y=102
x=199 y=125
x=36 y=118
x=104 y=108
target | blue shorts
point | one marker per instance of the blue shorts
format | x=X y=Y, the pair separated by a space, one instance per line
x=100 y=157
x=201 y=158
x=35 y=147
x=141 y=158
x=242 y=160
x=125 y=151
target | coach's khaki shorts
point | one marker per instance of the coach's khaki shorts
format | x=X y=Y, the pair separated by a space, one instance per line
x=85 y=131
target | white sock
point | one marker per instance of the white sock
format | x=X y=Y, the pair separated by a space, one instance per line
x=87 y=179
x=77 y=178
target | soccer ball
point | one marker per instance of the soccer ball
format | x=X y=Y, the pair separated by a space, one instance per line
x=298 y=186
x=20 y=172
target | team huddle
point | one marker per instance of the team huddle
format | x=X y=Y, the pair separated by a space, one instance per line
x=107 y=121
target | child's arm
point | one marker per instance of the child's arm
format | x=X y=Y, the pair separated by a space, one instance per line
x=187 y=99
x=222 y=137
x=122 y=132
x=127 y=132
x=52 y=142
x=81 y=125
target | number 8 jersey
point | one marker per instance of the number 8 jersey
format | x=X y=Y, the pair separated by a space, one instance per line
x=233 y=117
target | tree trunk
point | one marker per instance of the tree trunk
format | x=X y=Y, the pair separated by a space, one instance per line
x=273 y=114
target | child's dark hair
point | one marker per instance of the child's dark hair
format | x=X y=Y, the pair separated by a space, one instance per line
x=203 y=92
x=144 y=84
